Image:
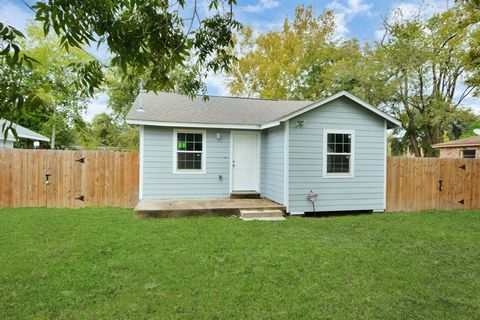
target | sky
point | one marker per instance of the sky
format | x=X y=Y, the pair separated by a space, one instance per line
x=361 y=19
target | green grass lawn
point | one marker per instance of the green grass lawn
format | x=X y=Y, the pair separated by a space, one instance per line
x=104 y=264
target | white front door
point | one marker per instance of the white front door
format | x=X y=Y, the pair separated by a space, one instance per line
x=245 y=161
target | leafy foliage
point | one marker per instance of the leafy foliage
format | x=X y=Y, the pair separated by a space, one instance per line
x=164 y=41
x=148 y=36
x=291 y=63
x=421 y=72
x=52 y=80
x=469 y=132
x=121 y=92
x=429 y=77
x=107 y=132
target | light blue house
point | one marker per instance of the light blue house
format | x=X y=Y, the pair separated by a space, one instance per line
x=202 y=149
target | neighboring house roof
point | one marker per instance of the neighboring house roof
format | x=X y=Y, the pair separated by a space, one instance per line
x=23 y=132
x=171 y=109
x=466 y=142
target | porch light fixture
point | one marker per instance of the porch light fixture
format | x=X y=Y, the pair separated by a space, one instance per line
x=300 y=123
x=219 y=136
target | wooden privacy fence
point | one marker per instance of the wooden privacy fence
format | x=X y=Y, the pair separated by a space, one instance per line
x=415 y=184
x=73 y=179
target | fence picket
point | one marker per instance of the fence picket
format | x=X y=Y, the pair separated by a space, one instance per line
x=414 y=184
x=105 y=179
x=110 y=178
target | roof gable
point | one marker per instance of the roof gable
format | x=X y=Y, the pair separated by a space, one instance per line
x=392 y=122
x=23 y=132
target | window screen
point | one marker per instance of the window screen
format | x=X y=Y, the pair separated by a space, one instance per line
x=339 y=147
x=189 y=151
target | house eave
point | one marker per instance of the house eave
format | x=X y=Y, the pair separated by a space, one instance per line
x=10 y=137
x=195 y=125
x=438 y=146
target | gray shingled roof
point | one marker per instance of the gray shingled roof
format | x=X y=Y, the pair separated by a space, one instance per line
x=172 y=107
x=23 y=132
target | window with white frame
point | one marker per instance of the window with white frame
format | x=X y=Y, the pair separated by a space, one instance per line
x=189 y=148
x=338 y=158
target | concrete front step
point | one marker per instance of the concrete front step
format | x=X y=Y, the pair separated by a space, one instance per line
x=200 y=207
x=244 y=195
x=262 y=214
x=264 y=219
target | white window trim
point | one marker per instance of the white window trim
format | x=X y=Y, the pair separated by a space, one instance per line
x=141 y=166
x=204 y=152
x=352 y=153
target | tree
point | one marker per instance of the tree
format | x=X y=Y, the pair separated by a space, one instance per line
x=429 y=77
x=155 y=38
x=106 y=131
x=121 y=92
x=475 y=125
x=291 y=63
x=63 y=101
x=421 y=72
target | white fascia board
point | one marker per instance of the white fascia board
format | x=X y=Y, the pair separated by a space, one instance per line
x=336 y=96
x=26 y=136
x=194 y=125
x=270 y=125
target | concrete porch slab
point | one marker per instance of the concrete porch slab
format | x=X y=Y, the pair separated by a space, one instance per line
x=201 y=207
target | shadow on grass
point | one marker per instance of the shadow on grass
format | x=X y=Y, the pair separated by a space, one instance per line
x=312 y=214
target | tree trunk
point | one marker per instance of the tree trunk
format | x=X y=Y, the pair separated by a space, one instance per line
x=52 y=139
x=54 y=127
x=414 y=145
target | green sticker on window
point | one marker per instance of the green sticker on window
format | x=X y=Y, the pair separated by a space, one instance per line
x=181 y=145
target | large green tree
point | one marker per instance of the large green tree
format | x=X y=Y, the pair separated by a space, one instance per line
x=291 y=63
x=167 y=41
x=62 y=100
x=421 y=72
x=429 y=74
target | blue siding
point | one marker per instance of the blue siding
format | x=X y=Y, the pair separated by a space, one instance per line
x=159 y=182
x=272 y=163
x=364 y=191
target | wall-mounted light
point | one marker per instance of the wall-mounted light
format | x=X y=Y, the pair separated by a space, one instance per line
x=300 y=123
x=219 y=136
